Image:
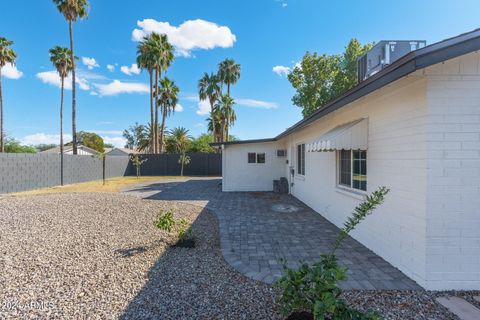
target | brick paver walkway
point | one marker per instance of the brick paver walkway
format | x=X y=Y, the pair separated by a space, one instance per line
x=253 y=236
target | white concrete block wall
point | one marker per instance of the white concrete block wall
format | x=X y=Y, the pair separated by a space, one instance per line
x=453 y=190
x=396 y=158
x=239 y=175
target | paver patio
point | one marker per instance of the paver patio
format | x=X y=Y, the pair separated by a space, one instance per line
x=253 y=236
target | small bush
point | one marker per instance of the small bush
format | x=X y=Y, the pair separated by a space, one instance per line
x=165 y=221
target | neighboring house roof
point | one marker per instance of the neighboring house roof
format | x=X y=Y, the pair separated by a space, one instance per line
x=438 y=52
x=67 y=149
x=122 y=150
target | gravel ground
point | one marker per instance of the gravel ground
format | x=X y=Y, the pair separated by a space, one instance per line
x=98 y=256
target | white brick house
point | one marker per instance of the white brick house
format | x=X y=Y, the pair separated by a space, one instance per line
x=413 y=127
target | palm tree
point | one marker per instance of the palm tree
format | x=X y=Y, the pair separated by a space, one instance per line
x=214 y=124
x=209 y=87
x=168 y=98
x=227 y=114
x=7 y=55
x=72 y=10
x=180 y=140
x=61 y=59
x=146 y=60
x=229 y=73
x=162 y=53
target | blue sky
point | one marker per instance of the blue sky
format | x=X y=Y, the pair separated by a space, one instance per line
x=258 y=34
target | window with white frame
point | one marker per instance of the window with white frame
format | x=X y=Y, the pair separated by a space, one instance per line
x=254 y=157
x=301 y=159
x=352 y=169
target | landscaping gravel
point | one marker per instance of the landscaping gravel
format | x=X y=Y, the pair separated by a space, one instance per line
x=98 y=256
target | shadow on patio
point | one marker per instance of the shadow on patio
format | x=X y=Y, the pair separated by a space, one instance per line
x=254 y=235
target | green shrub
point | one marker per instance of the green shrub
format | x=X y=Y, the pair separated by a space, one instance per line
x=165 y=220
x=314 y=288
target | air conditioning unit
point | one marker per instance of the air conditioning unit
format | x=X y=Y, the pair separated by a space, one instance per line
x=384 y=53
x=281 y=153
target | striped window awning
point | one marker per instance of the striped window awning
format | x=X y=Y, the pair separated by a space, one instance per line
x=349 y=136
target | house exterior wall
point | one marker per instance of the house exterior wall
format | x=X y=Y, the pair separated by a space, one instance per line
x=453 y=189
x=239 y=175
x=396 y=158
x=424 y=145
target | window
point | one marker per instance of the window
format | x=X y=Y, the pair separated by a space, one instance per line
x=353 y=169
x=256 y=157
x=301 y=159
x=260 y=157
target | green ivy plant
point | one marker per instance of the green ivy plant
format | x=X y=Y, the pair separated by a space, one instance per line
x=314 y=288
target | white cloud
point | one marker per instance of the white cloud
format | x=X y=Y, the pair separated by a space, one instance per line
x=52 y=78
x=117 y=87
x=284 y=5
x=107 y=132
x=110 y=67
x=11 y=72
x=256 y=103
x=118 y=142
x=133 y=69
x=281 y=70
x=93 y=93
x=190 y=35
x=90 y=63
x=43 y=138
x=179 y=108
x=203 y=108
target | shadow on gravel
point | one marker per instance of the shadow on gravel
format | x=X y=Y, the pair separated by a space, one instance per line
x=196 y=283
x=130 y=252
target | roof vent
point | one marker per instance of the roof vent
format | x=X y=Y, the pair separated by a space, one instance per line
x=384 y=53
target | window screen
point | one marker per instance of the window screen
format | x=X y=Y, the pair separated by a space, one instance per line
x=252 y=157
x=345 y=167
x=301 y=159
x=353 y=169
x=359 y=168
x=260 y=157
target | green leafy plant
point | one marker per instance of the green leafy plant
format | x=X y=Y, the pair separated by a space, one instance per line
x=314 y=288
x=165 y=221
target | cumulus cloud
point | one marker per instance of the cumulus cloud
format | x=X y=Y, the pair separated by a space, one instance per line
x=203 y=108
x=190 y=35
x=133 y=69
x=110 y=67
x=44 y=138
x=117 y=87
x=52 y=78
x=179 y=108
x=90 y=63
x=281 y=70
x=10 y=71
x=256 y=103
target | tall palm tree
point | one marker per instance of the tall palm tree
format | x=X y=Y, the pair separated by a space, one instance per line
x=146 y=60
x=7 y=55
x=214 y=124
x=162 y=52
x=168 y=98
x=209 y=88
x=229 y=73
x=228 y=116
x=61 y=59
x=72 y=10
